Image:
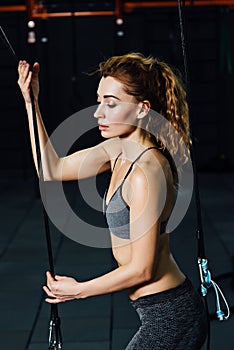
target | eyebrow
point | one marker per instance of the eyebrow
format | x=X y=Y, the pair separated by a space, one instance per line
x=106 y=96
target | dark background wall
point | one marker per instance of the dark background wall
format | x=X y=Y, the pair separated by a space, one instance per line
x=76 y=45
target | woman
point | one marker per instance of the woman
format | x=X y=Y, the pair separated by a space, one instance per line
x=139 y=200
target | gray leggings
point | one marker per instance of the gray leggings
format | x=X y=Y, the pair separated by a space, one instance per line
x=171 y=320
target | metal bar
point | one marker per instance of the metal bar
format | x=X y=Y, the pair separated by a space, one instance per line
x=30 y=8
x=16 y=8
x=33 y=10
x=119 y=9
x=130 y=6
x=76 y=14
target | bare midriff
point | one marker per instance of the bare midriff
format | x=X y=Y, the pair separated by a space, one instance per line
x=166 y=274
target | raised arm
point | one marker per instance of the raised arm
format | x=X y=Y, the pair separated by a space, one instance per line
x=96 y=159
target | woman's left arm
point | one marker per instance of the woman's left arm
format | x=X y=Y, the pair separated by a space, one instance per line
x=146 y=204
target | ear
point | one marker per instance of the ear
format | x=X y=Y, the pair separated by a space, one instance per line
x=144 y=109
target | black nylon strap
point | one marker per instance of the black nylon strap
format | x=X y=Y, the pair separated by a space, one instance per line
x=55 y=338
x=200 y=234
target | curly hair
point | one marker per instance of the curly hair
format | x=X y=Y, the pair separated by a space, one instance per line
x=147 y=78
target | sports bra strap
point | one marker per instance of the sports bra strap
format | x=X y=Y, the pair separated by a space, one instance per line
x=116 y=160
x=131 y=166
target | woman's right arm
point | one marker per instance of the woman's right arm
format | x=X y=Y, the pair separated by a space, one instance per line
x=81 y=164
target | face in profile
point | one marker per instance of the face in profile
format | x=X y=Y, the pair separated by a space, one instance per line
x=117 y=111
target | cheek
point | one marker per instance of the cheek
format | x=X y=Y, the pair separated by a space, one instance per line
x=113 y=114
x=122 y=114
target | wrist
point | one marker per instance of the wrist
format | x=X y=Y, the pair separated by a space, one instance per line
x=82 y=290
x=28 y=102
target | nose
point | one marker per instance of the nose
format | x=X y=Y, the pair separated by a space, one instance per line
x=99 y=113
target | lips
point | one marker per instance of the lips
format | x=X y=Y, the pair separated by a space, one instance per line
x=103 y=127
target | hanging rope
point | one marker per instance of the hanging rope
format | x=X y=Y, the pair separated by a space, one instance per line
x=205 y=274
x=55 y=337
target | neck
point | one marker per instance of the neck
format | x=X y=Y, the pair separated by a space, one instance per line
x=133 y=144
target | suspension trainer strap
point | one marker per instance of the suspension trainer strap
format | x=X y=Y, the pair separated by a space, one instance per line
x=205 y=275
x=55 y=337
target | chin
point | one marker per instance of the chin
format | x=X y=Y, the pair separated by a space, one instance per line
x=108 y=135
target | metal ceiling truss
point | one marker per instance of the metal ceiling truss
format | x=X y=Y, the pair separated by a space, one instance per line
x=40 y=8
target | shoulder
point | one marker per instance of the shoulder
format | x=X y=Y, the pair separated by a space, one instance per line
x=112 y=147
x=147 y=182
x=147 y=178
x=157 y=166
x=150 y=169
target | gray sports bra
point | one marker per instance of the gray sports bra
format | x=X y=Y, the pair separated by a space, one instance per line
x=117 y=212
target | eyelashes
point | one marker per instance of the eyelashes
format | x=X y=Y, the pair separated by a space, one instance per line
x=109 y=105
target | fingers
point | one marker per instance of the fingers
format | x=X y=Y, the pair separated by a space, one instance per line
x=23 y=63
x=48 y=292
x=49 y=276
x=50 y=280
x=60 y=278
x=25 y=71
x=59 y=288
x=28 y=78
x=53 y=299
x=57 y=300
x=53 y=286
x=36 y=69
x=23 y=67
x=25 y=75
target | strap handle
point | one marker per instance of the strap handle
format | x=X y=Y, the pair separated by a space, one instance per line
x=206 y=283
